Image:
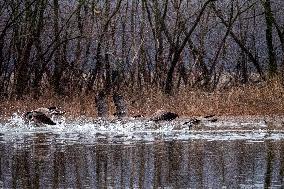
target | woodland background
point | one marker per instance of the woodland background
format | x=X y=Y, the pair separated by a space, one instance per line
x=192 y=56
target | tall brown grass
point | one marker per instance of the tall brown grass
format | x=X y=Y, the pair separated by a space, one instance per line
x=261 y=99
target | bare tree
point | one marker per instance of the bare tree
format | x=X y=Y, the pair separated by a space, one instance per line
x=58 y=61
x=177 y=46
x=91 y=45
x=242 y=46
x=272 y=65
x=100 y=42
x=25 y=34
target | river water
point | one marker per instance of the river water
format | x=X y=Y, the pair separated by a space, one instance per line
x=141 y=154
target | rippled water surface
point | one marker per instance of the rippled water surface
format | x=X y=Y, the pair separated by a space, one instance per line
x=141 y=154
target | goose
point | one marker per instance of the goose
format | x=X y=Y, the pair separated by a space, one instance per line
x=43 y=115
x=162 y=115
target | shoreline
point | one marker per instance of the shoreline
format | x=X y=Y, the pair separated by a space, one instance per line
x=91 y=112
x=241 y=101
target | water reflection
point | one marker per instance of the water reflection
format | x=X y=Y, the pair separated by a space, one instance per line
x=43 y=162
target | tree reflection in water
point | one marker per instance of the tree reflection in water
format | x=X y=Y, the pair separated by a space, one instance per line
x=43 y=162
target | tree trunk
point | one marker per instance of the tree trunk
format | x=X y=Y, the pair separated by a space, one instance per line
x=56 y=77
x=22 y=75
x=272 y=65
x=39 y=65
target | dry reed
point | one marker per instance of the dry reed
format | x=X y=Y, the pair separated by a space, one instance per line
x=263 y=99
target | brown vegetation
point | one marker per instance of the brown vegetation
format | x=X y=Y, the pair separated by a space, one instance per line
x=263 y=99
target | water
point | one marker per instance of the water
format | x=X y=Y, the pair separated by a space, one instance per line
x=141 y=154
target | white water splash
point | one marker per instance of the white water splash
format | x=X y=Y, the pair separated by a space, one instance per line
x=86 y=130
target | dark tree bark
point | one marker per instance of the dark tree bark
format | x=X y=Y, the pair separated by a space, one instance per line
x=120 y=105
x=272 y=65
x=102 y=105
x=22 y=75
x=280 y=32
x=58 y=62
x=38 y=67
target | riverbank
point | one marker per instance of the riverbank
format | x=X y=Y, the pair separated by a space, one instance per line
x=262 y=99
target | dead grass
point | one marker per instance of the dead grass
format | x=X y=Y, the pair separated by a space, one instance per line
x=263 y=99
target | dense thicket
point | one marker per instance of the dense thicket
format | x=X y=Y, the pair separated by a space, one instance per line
x=82 y=46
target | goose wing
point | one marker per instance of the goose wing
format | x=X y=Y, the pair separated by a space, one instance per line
x=42 y=118
x=164 y=116
x=168 y=116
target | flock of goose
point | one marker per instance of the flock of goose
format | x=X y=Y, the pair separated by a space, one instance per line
x=45 y=116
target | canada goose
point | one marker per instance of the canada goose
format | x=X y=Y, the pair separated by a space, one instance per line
x=209 y=116
x=193 y=121
x=50 y=111
x=162 y=115
x=43 y=115
x=196 y=121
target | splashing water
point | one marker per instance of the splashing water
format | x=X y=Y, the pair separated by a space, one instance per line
x=86 y=130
